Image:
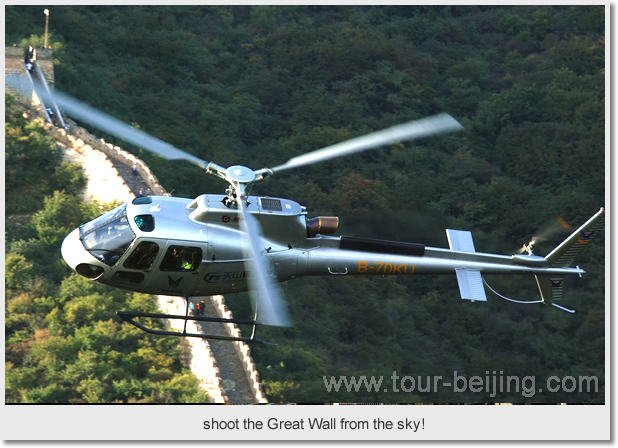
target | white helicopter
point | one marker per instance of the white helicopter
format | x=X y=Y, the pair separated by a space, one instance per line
x=220 y=244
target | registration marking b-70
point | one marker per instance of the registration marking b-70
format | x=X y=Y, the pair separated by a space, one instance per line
x=386 y=268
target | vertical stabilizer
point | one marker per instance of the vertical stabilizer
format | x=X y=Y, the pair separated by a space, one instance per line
x=564 y=255
x=550 y=287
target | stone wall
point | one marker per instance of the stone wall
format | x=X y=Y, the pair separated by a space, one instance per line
x=114 y=154
x=242 y=350
x=13 y=60
x=203 y=363
x=103 y=181
x=129 y=159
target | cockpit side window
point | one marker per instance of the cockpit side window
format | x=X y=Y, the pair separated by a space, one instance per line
x=181 y=258
x=108 y=236
x=143 y=256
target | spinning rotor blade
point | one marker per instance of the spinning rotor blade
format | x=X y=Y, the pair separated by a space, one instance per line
x=555 y=227
x=104 y=122
x=270 y=304
x=532 y=242
x=425 y=127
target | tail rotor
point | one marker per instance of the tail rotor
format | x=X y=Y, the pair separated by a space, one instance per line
x=553 y=228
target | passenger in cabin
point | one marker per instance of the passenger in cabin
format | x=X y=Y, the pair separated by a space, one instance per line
x=181 y=259
x=188 y=260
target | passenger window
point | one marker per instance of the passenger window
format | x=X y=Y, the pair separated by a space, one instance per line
x=143 y=256
x=181 y=258
x=145 y=222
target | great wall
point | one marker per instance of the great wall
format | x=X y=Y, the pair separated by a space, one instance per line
x=224 y=369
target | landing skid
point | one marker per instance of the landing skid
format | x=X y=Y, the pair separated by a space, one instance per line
x=128 y=316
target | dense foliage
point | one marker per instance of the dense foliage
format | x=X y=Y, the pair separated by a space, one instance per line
x=64 y=343
x=258 y=85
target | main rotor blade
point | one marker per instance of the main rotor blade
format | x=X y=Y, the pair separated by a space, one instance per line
x=425 y=127
x=270 y=304
x=104 y=122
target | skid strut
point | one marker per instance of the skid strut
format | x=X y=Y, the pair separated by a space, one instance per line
x=128 y=316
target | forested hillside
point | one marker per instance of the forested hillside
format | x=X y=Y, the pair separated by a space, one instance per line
x=259 y=85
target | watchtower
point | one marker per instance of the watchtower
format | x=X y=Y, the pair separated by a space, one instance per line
x=14 y=61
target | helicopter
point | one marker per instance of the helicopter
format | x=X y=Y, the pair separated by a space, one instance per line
x=234 y=242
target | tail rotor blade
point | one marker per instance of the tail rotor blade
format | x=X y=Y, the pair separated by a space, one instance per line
x=551 y=229
x=434 y=125
x=270 y=304
x=106 y=123
x=556 y=227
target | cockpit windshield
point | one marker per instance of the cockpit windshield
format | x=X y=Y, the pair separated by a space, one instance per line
x=108 y=236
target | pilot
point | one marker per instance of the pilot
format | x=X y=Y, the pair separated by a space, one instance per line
x=114 y=258
x=149 y=257
x=175 y=260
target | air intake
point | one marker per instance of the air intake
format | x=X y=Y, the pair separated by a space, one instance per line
x=271 y=205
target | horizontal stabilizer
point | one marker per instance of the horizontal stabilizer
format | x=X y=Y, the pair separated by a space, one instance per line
x=471 y=285
x=460 y=240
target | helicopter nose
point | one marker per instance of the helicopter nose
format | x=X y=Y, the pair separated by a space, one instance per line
x=78 y=258
x=72 y=249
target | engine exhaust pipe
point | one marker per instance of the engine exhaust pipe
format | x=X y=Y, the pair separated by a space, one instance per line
x=324 y=225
